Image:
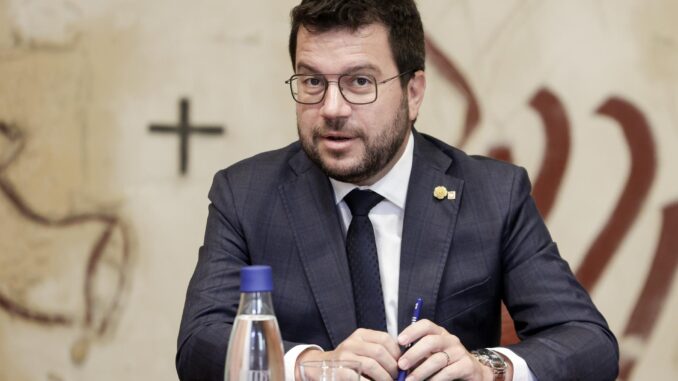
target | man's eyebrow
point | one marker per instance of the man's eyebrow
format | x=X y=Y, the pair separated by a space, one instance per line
x=302 y=67
x=307 y=68
x=362 y=69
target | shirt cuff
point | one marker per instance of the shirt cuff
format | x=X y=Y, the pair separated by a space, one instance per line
x=290 y=359
x=521 y=372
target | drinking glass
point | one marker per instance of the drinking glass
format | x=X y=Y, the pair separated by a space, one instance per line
x=330 y=370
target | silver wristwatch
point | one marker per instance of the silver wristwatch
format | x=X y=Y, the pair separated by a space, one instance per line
x=492 y=360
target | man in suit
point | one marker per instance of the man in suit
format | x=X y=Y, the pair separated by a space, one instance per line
x=461 y=232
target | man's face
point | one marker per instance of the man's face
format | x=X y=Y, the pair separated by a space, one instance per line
x=353 y=143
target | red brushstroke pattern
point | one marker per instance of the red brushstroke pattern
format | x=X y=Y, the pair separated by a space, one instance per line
x=111 y=224
x=501 y=152
x=643 y=166
x=556 y=150
x=649 y=305
x=453 y=75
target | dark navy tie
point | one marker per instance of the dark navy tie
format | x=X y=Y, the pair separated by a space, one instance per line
x=363 y=262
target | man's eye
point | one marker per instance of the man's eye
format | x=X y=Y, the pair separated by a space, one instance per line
x=313 y=82
x=361 y=81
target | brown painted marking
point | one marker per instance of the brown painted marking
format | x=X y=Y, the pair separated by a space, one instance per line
x=508 y=330
x=643 y=166
x=501 y=152
x=453 y=75
x=18 y=310
x=110 y=222
x=556 y=150
x=657 y=286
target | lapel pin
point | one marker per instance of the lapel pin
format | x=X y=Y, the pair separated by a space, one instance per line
x=440 y=192
x=451 y=195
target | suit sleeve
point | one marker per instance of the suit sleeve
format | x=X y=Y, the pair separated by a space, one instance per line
x=213 y=293
x=564 y=337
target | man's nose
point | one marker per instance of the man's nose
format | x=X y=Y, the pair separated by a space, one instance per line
x=334 y=105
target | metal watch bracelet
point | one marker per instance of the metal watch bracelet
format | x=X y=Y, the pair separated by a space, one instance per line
x=492 y=360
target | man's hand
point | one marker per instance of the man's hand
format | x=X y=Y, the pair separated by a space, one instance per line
x=376 y=351
x=438 y=355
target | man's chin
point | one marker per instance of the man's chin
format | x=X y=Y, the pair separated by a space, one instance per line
x=346 y=172
x=337 y=171
x=346 y=167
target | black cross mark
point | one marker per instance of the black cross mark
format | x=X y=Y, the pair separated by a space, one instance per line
x=184 y=129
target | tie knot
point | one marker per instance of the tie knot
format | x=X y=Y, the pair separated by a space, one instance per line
x=362 y=201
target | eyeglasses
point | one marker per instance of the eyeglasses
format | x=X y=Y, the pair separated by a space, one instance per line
x=358 y=89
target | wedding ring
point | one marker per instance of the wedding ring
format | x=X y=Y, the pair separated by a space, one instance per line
x=449 y=360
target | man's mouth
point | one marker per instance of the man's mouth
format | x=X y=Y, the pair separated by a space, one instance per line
x=338 y=138
x=338 y=143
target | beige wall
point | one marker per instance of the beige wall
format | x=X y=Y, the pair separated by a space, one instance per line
x=99 y=233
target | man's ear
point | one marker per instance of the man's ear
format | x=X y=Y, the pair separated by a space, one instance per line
x=415 y=93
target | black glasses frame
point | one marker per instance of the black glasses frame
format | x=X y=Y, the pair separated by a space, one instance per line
x=340 y=76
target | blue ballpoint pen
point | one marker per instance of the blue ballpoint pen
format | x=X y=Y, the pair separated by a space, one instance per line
x=415 y=316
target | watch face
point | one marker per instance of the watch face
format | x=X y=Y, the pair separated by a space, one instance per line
x=491 y=359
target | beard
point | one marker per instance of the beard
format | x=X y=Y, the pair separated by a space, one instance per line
x=378 y=153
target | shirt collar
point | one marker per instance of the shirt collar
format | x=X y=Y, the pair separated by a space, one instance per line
x=391 y=185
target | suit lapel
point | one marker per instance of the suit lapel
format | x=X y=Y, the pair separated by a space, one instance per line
x=311 y=210
x=428 y=230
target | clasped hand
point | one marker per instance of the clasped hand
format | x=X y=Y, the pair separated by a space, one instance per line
x=435 y=354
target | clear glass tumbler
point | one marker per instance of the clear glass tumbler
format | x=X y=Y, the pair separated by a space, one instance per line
x=330 y=370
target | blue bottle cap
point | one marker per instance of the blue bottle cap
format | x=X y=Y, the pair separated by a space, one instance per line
x=256 y=279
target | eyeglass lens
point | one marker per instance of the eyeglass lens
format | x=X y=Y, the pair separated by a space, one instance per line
x=355 y=88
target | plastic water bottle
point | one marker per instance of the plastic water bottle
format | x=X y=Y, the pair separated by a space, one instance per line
x=255 y=350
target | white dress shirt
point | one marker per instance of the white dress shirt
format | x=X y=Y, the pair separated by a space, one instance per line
x=387 y=221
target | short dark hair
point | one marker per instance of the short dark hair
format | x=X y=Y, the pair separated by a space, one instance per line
x=400 y=17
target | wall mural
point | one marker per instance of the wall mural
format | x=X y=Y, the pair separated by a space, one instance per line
x=110 y=250
x=642 y=149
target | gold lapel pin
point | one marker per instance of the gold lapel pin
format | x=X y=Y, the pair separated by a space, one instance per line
x=440 y=192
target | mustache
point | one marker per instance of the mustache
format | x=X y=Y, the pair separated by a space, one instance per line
x=337 y=125
x=334 y=124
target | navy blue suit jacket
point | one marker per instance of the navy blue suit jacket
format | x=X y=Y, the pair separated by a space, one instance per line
x=462 y=256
